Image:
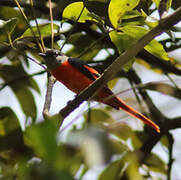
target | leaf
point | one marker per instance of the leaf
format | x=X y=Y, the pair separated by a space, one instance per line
x=163 y=88
x=122 y=42
x=93 y=143
x=42 y=138
x=156 y=164
x=7 y=13
x=99 y=116
x=99 y=7
x=118 y=8
x=124 y=132
x=8 y=26
x=157 y=2
x=112 y=171
x=132 y=168
x=133 y=17
x=74 y=10
x=27 y=102
x=80 y=42
x=168 y=3
x=13 y=76
x=8 y=121
x=165 y=141
x=113 y=82
x=45 y=30
x=119 y=147
x=154 y=47
x=11 y=135
x=13 y=141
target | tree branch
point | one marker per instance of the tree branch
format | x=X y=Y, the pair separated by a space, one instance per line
x=170 y=153
x=48 y=97
x=115 y=67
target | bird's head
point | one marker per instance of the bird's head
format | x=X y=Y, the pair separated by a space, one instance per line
x=53 y=58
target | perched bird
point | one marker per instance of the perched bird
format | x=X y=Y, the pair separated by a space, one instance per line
x=76 y=75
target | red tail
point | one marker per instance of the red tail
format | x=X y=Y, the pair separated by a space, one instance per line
x=117 y=103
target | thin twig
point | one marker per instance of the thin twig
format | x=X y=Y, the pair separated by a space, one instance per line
x=51 y=18
x=27 y=21
x=35 y=61
x=37 y=26
x=170 y=155
x=173 y=82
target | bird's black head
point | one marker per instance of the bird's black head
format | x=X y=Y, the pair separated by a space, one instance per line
x=53 y=58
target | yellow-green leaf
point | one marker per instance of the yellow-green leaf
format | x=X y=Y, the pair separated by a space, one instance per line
x=154 y=47
x=157 y=2
x=98 y=116
x=117 y=8
x=156 y=164
x=8 y=121
x=42 y=138
x=122 y=42
x=77 y=11
x=112 y=171
x=8 y=26
x=45 y=30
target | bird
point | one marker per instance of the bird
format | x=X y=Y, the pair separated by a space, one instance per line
x=76 y=75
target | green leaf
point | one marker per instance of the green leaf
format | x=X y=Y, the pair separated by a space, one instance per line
x=8 y=121
x=157 y=2
x=79 y=42
x=132 y=168
x=168 y=3
x=11 y=135
x=42 y=138
x=165 y=141
x=99 y=7
x=94 y=144
x=156 y=164
x=14 y=76
x=117 y=10
x=8 y=26
x=99 y=116
x=45 y=30
x=124 y=132
x=113 y=171
x=163 y=88
x=27 y=102
x=113 y=82
x=74 y=10
x=13 y=141
x=119 y=147
x=122 y=42
x=133 y=17
x=154 y=47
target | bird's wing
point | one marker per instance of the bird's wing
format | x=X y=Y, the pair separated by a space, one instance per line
x=84 y=68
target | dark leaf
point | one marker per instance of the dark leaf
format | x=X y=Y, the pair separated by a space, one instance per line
x=163 y=88
x=8 y=121
x=42 y=138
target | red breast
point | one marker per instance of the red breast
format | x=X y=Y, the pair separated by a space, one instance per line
x=72 y=78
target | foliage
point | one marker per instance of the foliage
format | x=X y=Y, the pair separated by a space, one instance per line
x=95 y=26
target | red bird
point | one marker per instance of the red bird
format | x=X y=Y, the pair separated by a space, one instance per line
x=76 y=75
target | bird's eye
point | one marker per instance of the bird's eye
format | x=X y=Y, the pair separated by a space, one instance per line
x=53 y=53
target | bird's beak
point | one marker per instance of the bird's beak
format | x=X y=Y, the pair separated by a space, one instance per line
x=42 y=54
